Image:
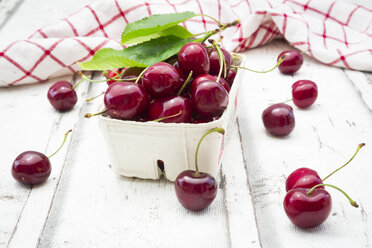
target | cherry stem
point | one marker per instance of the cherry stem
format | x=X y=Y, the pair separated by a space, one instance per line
x=105 y=80
x=64 y=140
x=221 y=59
x=140 y=75
x=216 y=129
x=167 y=117
x=356 y=152
x=214 y=19
x=92 y=98
x=88 y=115
x=213 y=32
x=185 y=84
x=352 y=202
x=77 y=84
x=277 y=64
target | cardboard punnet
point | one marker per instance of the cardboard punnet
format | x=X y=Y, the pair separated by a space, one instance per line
x=134 y=148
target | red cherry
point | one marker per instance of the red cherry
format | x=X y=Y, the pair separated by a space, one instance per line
x=207 y=77
x=31 y=167
x=125 y=100
x=168 y=106
x=62 y=96
x=303 y=178
x=292 y=62
x=193 y=57
x=278 y=119
x=209 y=98
x=215 y=63
x=304 y=93
x=307 y=211
x=195 y=192
x=161 y=79
x=230 y=76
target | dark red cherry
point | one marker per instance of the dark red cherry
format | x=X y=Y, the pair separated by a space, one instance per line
x=168 y=106
x=215 y=63
x=125 y=100
x=31 y=167
x=307 y=211
x=231 y=76
x=195 y=192
x=209 y=98
x=278 y=119
x=193 y=57
x=304 y=93
x=207 y=77
x=303 y=178
x=62 y=96
x=161 y=79
x=292 y=62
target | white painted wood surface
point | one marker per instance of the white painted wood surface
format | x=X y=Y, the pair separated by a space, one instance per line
x=84 y=204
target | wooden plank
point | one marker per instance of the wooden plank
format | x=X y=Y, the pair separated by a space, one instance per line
x=7 y=8
x=325 y=137
x=92 y=205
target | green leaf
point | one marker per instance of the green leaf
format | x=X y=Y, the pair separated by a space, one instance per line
x=108 y=58
x=175 y=30
x=152 y=25
x=141 y=55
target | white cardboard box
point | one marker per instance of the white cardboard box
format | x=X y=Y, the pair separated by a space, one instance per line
x=134 y=148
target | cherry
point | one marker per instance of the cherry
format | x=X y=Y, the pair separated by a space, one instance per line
x=33 y=167
x=209 y=98
x=161 y=79
x=292 y=61
x=207 y=77
x=308 y=208
x=278 y=119
x=230 y=76
x=168 y=106
x=215 y=63
x=196 y=190
x=193 y=57
x=307 y=211
x=114 y=73
x=125 y=100
x=308 y=178
x=302 y=178
x=62 y=95
x=304 y=93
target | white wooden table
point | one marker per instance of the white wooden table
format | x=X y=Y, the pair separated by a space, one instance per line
x=83 y=204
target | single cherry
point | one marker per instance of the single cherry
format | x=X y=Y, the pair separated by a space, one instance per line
x=62 y=95
x=292 y=61
x=308 y=208
x=193 y=57
x=307 y=211
x=278 y=119
x=304 y=93
x=33 y=167
x=169 y=106
x=207 y=77
x=209 y=98
x=215 y=63
x=161 y=79
x=308 y=178
x=230 y=76
x=196 y=190
x=302 y=178
x=125 y=100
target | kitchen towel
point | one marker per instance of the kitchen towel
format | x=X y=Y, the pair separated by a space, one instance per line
x=333 y=32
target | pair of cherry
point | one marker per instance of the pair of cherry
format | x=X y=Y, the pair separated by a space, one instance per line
x=279 y=119
x=307 y=203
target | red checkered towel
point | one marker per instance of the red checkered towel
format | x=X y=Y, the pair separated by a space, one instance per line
x=333 y=32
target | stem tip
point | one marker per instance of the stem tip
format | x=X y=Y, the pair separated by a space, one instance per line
x=354 y=204
x=88 y=115
x=361 y=145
